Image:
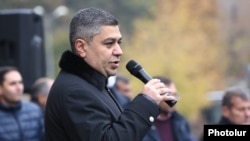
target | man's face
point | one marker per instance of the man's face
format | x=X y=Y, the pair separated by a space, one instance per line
x=104 y=52
x=11 y=90
x=239 y=113
x=125 y=88
x=164 y=106
x=42 y=97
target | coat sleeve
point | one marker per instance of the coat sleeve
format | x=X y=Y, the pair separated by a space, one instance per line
x=87 y=118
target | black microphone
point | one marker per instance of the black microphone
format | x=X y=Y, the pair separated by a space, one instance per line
x=136 y=70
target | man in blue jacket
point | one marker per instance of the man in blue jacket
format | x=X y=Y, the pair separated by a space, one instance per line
x=19 y=120
x=170 y=125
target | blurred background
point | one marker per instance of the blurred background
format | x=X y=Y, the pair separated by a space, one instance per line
x=202 y=45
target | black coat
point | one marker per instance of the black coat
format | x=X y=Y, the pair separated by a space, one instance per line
x=225 y=121
x=80 y=108
x=180 y=129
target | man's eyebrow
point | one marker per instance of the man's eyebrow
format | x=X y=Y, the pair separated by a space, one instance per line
x=113 y=39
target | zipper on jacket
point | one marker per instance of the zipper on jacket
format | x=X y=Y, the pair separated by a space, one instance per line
x=19 y=126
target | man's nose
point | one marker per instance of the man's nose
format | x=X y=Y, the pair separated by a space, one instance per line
x=118 y=50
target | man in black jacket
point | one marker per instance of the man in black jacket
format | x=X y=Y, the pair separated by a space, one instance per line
x=80 y=107
x=235 y=108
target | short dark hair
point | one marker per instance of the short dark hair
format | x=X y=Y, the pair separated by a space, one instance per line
x=229 y=94
x=86 y=24
x=121 y=78
x=4 y=70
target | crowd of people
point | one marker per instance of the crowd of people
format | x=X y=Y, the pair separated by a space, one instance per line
x=89 y=101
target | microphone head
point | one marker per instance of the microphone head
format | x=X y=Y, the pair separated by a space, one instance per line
x=133 y=67
x=136 y=70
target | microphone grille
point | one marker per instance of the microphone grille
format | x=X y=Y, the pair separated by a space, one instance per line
x=133 y=67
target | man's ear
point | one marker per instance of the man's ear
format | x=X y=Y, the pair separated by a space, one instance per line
x=225 y=111
x=80 y=47
x=41 y=98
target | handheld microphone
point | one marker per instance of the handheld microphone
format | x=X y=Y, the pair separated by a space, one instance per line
x=136 y=70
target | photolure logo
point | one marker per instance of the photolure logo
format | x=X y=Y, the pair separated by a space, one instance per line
x=212 y=132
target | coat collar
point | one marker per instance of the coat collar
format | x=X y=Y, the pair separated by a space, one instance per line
x=12 y=108
x=76 y=65
x=225 y=120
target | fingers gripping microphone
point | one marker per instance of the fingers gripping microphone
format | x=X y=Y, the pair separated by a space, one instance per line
x=136 y=70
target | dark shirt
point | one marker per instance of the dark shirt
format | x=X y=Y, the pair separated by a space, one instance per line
x=165 y=130
x=179 y=127
x=224 y=120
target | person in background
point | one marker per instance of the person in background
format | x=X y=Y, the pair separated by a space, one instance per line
x=19 y=120
x=120 y=97
x=80 y=106
x=235 y=107
x=40 y=91
x=170 y=125
x=123 y=85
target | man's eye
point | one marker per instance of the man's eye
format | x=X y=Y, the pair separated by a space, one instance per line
x=109 y=43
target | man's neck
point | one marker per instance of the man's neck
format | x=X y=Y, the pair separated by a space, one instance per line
x=164 y=116
x=8 y=104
